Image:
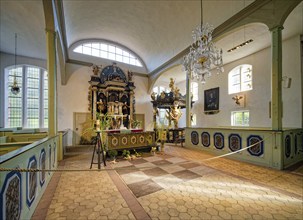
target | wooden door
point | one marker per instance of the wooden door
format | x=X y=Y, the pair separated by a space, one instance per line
x=81 y=122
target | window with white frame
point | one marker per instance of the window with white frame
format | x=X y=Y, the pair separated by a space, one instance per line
x=240 y=79
x=29 y=107
x=108 y=51
x=194 y=90
x=240 y=118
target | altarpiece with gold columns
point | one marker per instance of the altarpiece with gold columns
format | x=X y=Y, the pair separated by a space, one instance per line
x=112 y=93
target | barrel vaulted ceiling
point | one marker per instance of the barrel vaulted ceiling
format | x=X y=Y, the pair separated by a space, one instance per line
x=155 y=30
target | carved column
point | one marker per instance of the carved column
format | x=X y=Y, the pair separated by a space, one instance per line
x=52 y=82
x=94 y=106
x=188 y=102
x=131 y=105
x=276 y=78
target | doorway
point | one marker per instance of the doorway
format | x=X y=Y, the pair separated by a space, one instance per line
x=82 y=121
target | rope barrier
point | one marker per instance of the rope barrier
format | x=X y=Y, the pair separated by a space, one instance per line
x=21 y=170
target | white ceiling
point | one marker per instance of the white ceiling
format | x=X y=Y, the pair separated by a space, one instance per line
x=26 y=18
x=156 y=30
x=261 y=39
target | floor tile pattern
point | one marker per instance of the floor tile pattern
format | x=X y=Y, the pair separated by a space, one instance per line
x=157 y=172
x=87 y=195
x=179 y=184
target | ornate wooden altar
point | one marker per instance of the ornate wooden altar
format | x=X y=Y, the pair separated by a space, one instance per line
x=111 y=93
x=130 y=140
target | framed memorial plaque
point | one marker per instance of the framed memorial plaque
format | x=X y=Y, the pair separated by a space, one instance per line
x=211 y=101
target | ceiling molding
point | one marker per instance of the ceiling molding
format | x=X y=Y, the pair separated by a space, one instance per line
x=61 y=27
x=49 y=16
x=79 y=62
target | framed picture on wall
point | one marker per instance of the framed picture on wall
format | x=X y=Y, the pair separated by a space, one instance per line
x=211 y=101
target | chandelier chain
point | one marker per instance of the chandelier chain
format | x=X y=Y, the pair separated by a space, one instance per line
x=15 y=88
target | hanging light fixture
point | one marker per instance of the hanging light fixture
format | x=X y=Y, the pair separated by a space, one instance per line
x=15 y=88
x=203 y=54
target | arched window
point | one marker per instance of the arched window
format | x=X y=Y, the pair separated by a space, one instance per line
x=108 y=51
x=240 y=79
x=29 y=108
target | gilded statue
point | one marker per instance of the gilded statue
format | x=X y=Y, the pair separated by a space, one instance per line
x=175 y=113
x=162 y=95
x=153 y=96
x=177 y=92
x=172 y=84
x=130 y=76
x=96 y=69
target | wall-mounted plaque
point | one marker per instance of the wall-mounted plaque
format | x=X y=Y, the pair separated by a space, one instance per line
x=211 y=101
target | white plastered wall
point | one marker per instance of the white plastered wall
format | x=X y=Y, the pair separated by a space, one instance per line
x=256 y=100
x=73 y=97
x=143 y=104
x=292 y=96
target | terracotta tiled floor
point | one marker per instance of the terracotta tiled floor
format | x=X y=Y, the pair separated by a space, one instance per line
x=176 y=185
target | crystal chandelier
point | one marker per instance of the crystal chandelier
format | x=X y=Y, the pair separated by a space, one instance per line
x=203 y=54
x=15 y=88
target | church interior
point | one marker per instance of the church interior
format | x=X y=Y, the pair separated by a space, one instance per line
x=151 y=109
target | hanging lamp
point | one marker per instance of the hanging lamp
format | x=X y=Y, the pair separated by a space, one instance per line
x=15 y=88
x=203 y=54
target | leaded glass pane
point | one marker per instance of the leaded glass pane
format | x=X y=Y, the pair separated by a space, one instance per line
x=96 y=46
x=104 y=47
x=14 y=112
x=132 y=61
x=33 y=96
x=14 y=102
x=119 y=58
x=108 y=52
x=118 y=51
x=87 y=50
x=246 y=119
x=33 y=122
x=45 y=101
x=45 y=122
x=104 y=54
x=32 y=113
x=111 y=49
x=33 y=72
x=126 y=54
x=111 y=56
x=125 y=59
x=45 y=113
x=79 y=49
x=87 y=45
x=95 y=52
